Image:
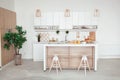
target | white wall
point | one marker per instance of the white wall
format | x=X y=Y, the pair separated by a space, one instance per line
x=108 y=29
x=8 y=4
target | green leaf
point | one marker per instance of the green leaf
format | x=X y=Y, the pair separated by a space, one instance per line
x=15 y=39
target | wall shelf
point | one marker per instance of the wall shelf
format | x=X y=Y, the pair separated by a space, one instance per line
x=72 y=30
x=52 y=28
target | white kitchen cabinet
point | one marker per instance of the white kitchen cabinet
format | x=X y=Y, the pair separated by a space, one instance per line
x=37 y=52
x=68 y=22
x=62 y=21
x=43 y=20
x=75 y=18
x=58 y=19
x=49 y=18
x=37 y=21
x=40 y=21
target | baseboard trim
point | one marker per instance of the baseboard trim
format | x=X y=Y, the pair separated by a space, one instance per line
x=109 y=57
x=99 y=57
x=2 y=67
x=38 y=60
x=26 y=58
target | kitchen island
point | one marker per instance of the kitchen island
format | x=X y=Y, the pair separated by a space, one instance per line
x=70 y=55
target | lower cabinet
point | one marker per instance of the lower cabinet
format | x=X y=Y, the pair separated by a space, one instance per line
x=37 y=52
x=70 y=57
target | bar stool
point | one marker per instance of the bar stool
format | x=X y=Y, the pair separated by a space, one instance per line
x=84 y=63
x=55 y=64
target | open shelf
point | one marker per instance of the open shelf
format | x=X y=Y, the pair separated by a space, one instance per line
x=50 y=30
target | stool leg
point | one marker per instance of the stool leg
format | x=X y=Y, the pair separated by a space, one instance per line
x=51 y=66
x=59 y=65
x=80 y=64
x=88 y=65
x=85 y=69
x=56 y=65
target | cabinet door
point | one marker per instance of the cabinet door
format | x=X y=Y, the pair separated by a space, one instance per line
x=4 y=30
x=49 y=18
x=8 y=22
x=56 y=20
x=1 y=21
x=68 y=22
x=81 y=18
x=76 y=54
x=37 y=52
x=40 y=21
x=43 y=19
x=75 y=18
x=0 y=47
x=36 y=21
x=85 y=18
x=61 y=52
x=13 y=20
x=62 y=21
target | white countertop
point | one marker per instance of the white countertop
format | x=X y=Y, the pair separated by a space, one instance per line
x=64 y=44
x=70 y=44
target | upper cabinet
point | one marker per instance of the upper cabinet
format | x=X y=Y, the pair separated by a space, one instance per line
x=58 y=20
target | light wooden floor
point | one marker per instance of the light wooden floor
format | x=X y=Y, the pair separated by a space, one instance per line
x=108 y=69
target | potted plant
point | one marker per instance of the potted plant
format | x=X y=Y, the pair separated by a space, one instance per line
x=67 y=32
x=16 y=40
x=57 y=32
